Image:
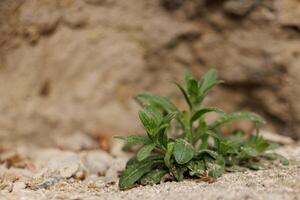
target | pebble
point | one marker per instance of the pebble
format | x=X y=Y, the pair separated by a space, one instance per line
x=19 y=186
x=96 y=161
x=65 y=164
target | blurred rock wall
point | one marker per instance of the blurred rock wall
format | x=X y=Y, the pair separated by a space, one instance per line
x=74 y=65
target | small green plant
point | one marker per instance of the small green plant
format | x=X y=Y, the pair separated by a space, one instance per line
x=182 y=144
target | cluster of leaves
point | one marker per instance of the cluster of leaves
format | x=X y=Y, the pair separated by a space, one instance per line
x=181 y=143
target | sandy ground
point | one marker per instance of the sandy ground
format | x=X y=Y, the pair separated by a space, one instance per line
x=277 y=183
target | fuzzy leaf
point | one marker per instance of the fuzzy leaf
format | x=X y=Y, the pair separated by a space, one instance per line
x=153 y=177
x=135 y=171
x=168 y=118
x=154 y=112
x=145 y=151
x=183 y=151
x=178 y=172
x=163 y=102
x=217 y=168
x=209 y=80
x=237 y=116
x=203 y=111
x=169 y=152
x=282 y=159
x=135 y=139
x=275 y=156
x=262 y=146
x=208 y=152
x=196 y=168
x=162 y=138
x=216 y=171
x=184 y=93
x=255 y=166
x=247 y=152
x=148 y=123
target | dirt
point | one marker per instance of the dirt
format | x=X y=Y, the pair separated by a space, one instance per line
x=46 y=178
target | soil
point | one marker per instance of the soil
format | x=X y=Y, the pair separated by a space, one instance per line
x=279 y=182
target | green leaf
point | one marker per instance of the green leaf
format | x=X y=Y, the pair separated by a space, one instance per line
x=275 y=156
x=135 y=139
x=236 y=116
x=145 y=151
x=262 y=146
x=148 y=123
x=183 y=151
x=184 y=94
x=178 y=172
x=162 y=138
x=168 y=118
x=196 y=168
x=154 y=112
x=163 y=102
x=228 y=146
x=153 y=177
x=203 y=111
x=217 y=169
x=135 y=171
x=168 y=154
x=208 y=152
x=255 y=166
x=247 y=152
x=282 y=159
x=187 y=75
x=208 y=80
x=192 y=88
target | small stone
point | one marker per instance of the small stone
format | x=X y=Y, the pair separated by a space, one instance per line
x=19 y=186
x=80 y=175
x=66 y=164
x=97 y=161
x=239 y=7
x=99 y=2
x=289 y=12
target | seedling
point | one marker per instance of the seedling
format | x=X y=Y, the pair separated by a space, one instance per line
x=181 y=144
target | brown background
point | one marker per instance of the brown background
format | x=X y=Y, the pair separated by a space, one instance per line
x=74 y=65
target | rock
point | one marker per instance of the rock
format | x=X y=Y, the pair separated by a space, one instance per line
x=239 y=7
x=289 y=12
x=17 y=186
x=80 y=175
x=76 y=142
x=65 y=164
x=94 y=181
x=97 y=161
x=10 y=158
x=99 y=2
x=45 y=183
x=13 y=174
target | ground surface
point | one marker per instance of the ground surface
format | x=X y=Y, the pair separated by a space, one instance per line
x=70 y=65
x=56 y=174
